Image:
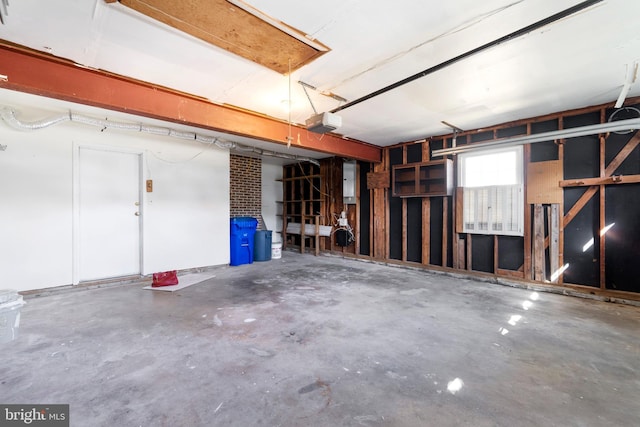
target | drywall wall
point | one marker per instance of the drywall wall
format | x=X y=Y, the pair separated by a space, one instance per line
x=184 y=221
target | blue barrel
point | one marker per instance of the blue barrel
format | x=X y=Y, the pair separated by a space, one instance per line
x=262 y=245
x=242 y=232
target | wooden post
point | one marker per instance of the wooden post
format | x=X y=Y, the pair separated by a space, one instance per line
x=405 y=222
x=426 y=214
x=495 y=254
x=379 y=213
x=469 y=252
x=527 y=214
x=538 y=242
x=357 y=224
x=445 y=230
x=554 y=232
x=602 y=237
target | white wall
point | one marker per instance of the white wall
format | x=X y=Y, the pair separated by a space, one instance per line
x=185 y=221
x=271 y=193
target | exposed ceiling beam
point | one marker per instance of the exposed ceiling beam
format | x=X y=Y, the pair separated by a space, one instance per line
x=39 y=74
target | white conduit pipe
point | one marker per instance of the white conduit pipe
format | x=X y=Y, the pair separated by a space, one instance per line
x=9 y=117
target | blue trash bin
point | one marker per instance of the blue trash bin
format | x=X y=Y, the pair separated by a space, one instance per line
x=243 y=230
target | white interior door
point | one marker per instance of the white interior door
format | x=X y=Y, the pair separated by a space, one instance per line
x=109 y=190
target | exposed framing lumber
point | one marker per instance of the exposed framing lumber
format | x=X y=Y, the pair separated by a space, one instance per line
x=495 y=253
x=469 y=252
x=445 y=230
x=609 y=180
x=426 y=213
x=609 y=170
x=538 y=243
x=40 y=74
x=602 y=216
x=561 y=207
x=554 y=233
x=405 y=222
x=358 y=224
x=528 y=271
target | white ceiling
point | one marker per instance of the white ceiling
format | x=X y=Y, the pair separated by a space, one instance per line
x=578 y=61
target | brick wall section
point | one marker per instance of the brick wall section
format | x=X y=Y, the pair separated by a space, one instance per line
x=245 y=186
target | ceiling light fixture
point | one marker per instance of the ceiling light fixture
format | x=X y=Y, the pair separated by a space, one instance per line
x=620 y=125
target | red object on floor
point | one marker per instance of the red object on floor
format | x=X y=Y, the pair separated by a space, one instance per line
x=166 y=278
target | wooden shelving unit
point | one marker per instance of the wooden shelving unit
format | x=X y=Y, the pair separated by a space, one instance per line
x=302 y=202
x=426 y=179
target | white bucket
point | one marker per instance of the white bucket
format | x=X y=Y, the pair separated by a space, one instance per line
x=276 y=250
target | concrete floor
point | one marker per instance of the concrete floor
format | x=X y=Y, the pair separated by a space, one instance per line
x=334 y=343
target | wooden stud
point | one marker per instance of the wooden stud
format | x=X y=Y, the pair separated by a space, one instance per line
x=560 y=278
x=608 y=180
x=528 y=270
x=379 y=213
x=405 y=222
x=357 y=224
x=461 y=252
x=538 y=242
x=445 y=231
x=469 y=252
x=426 y=213
x=554 y=232
x=602 y=237
x=386 y=160
x=510 y=273
x=495 y=254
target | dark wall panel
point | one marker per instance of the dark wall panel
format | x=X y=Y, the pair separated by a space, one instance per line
x=512 y=131
x=548 y=150
x=414 y=229
x=583 y=263
x=582 y=155
x=365 y=209
x=482 y=136
x=581 y=160
x=435 y=241
x=622 y=247
x=510 y=252
x=414 y=153
x=482 y=253
x=395 y=212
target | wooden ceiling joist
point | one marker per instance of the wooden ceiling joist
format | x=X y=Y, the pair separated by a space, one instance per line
x=39 y=74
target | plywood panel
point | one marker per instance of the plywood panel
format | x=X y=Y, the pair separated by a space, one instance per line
x=222 y=24
x=378 y=180
x=543 y=182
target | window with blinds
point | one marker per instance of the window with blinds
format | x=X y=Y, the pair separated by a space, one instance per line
x=493 y=210
x=493 y=201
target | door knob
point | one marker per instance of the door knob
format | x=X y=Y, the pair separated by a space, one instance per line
x=137 y=214
x=137 y=203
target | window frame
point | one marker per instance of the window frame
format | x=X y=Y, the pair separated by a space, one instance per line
x=488 y=212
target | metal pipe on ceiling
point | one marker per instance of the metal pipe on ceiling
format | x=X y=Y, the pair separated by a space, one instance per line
x=620 y=125
x=518 y=33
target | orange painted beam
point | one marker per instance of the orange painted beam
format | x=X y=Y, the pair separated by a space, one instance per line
x=40 y=74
